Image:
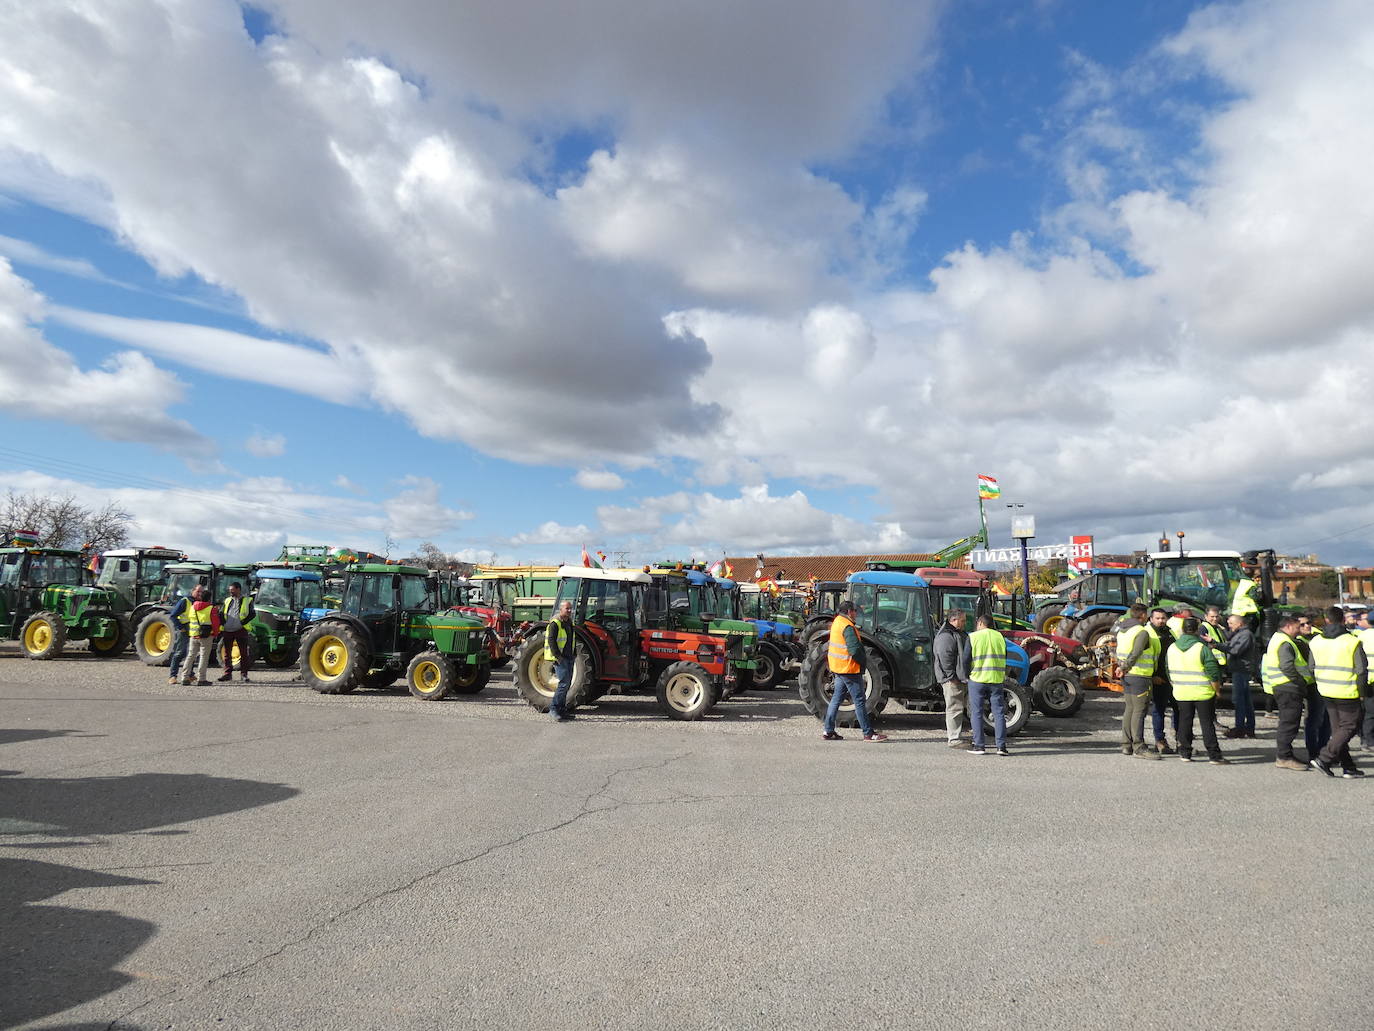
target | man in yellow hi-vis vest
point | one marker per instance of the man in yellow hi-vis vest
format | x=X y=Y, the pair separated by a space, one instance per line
x=1195 y=675
x=1342 y=672
x=847 y=660
x=987 y=672
x=1137 y=655
x=1365 y=632
x=560 y=648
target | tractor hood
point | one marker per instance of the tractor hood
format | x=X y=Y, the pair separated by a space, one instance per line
x=451 y=633
x=75 y=600
x=772 y=626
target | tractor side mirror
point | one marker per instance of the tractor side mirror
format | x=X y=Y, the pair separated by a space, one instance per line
x=204 y=581
x=395 y=581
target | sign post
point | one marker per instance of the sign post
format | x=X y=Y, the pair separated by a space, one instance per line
x=1023 y=529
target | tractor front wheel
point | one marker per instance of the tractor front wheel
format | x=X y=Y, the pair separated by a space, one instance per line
x=768 y=671
x=430 y=676
x=470 y=677
x=1057 y=691
x=1049 y=619
x=685 y=691
x=109 y=647
x=1016 y=701
x=816 y=685
x=153 y=639
x=535 y=679
x=44 y=635
x=334 y=659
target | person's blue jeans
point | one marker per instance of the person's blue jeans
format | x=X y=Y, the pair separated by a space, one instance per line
x=1162 y=695
x=1317 y=727
x=978 y=696
x=1240 y=698
x=851 y=684
x=180 y=642
x=563 y=670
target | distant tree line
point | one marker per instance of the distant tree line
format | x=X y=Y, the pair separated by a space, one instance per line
x=60 y=521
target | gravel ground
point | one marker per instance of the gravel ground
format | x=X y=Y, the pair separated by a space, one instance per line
x=257 y=856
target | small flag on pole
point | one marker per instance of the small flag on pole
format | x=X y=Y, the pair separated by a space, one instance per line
x=729 y=570
x=590 y=562
x=988 y=490
x=717 y=568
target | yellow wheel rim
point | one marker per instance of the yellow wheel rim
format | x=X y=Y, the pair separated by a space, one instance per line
x=542 y=676
x=104 y=644
x=1051 y=625
x=157 y=639
x=685 y=692
x=428 y=677
x=39 y=636
x=328 y=657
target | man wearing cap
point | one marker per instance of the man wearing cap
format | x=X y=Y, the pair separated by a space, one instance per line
x=1161 y=694
x=1342 y=673
x=1244 y=601
x=1286 y=675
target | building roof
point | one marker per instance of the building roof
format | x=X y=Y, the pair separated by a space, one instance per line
x=802 y=568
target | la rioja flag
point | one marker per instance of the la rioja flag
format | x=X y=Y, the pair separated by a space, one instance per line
x=988 y=490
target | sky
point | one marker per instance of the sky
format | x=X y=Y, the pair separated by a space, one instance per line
x=678 y=280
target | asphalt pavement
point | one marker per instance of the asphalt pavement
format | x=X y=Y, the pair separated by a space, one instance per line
x=257 y=856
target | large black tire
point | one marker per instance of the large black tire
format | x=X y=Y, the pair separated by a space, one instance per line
x=334 y=659
x=768 y=673
x=1049 y=619
x=153 y=638
x=44 y=636
x=225 y=646
x=1057 y=691
x=1017 y=700
x=534 y=677
x=816 y=684
x=115 y=644
x=282 y=658
x=430 y=676
x=382 y=680
x=1094 y=628
x=470 y=677
x=685 y=691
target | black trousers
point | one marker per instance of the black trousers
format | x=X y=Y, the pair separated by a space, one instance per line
x=1289 y=701
x=1345 y=720
x=1206 y=711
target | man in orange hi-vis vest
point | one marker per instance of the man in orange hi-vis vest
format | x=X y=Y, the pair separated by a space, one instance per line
x=847 y=661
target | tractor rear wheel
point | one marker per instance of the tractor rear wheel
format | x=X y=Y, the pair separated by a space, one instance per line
x=334 y=659
x=153 y=639
x=1049 y=619
x=1057 y=691
x=470 y=677
x=229 y=653
x=430 y=676
x=1017 y=703
x=535 y=680
x=1095 y=630
x=816 y=685
x=44 y=635
x=283 y=657
x=109 y=647
x=768 y=672
x=685 y=691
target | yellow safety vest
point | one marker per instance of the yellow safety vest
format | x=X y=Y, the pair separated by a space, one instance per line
x=1149 y=658
x=184 y=617
x=1366 y=642
x=1216 y=635
x=555 y=639
x=243 y=610
x=988 y=656
x=840 y=659
x=1175 y=625
x=1243 y=598
x=1270 y=673
x=199 y=622
x=1333 y=664
x=1188 y=675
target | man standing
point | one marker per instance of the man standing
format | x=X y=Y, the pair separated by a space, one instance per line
x=1365 y=632
x=560 y=648
x=1175 y=622
x=1194 y=673
x=987 y=673
x=847 y=660
x=1317 y=728
x=1237 y=648
x=236 y=616
x=202 y=624
x=180 y=639
x=952 y=659
x=1160 y=693
x=1342 y=673
x=1244 y=597
x=1287 y=675
x=1137 y=655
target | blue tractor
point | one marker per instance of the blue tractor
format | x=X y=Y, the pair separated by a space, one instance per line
x=1091 y=604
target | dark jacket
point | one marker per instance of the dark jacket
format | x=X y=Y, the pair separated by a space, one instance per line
x=952 y=655
x=1239 y=647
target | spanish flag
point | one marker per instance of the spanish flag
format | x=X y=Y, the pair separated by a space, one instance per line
x=988 y=490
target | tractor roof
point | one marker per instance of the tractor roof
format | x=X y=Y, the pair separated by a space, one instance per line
x=882 y=578
x=158 y=552
x=41 y=551
x=635 y=576
x=1188 y=556
x=205 y=567
x=383 y=568
x=277 y=573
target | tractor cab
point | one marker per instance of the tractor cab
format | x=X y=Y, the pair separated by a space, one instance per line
x=134 y=575
x=609 y=604
x=1194 y=578
x=45 y=602
x=279 y=597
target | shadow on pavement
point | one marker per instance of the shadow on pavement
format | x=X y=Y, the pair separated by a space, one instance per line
x=14 y=736
x=54 y=957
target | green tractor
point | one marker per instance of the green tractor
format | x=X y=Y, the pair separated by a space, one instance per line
x=388 y=625
x=152 y=620
x=45 y=603
x=280 y=596
x=135 y=574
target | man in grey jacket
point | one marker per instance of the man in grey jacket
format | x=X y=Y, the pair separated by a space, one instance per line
x=952 y=660
x=1239 y=647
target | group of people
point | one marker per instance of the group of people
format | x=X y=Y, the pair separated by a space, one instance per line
x=199 y=625
x=1175 y=665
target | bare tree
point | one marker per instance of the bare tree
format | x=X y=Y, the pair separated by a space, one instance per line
x=62 y=522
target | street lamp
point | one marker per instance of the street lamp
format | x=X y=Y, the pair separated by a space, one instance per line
x=1023 y=529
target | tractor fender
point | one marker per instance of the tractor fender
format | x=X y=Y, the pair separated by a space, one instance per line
x=141 y=611
x=580 y=635
x=352 y=621
x=885 y=653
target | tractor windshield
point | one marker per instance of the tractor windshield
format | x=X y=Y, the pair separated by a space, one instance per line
x=10 y=568
x=179 y=585
x=1201 y=582
x=891 y=609
x=967 y=602
x=308 y=595
x=415 y=593
x=55 y=569
x=727 y=603
x=273 y=594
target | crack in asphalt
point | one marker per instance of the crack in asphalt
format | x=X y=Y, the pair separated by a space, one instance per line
x=586 y=809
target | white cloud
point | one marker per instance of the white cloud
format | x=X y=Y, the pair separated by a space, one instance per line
x=344 y=483
x=125 y=399
x=599 y=479
x=266 y=445
x=416 y=511
x=22 y=252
